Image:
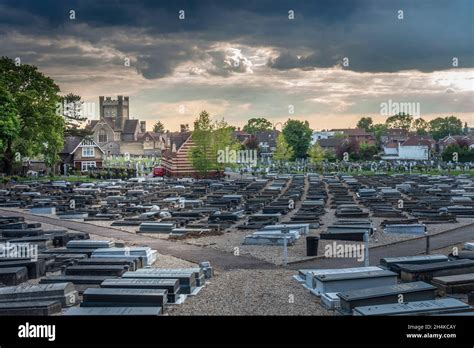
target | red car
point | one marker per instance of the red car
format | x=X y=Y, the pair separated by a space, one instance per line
x=158 y=171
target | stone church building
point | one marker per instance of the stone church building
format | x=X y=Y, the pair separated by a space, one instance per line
x=117 y=133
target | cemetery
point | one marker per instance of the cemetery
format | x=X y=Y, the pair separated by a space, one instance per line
x=142 y=246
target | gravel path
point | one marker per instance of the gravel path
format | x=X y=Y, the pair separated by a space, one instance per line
x=252 y=292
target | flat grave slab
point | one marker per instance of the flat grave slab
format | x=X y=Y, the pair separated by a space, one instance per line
x=124 y=297
x=114 y=311
x=426 y=272
x=59 y=251
x=148 y=254
x=89 y=244
x=306 y=276
x=416 y=291
x=36 y=268
x=63 y=292
x=30 y=308
x=459 y=283
x=187 y=281
x=337 y=282
x=133 y=264
x=438 y=306
x=171 y=285
x=198 y=272
x=98 y=270
x=393 y=262
x=13 y=275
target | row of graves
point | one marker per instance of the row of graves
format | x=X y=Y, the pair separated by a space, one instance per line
x=423 y=198
x=414 y=285
x=183 y=208
x=176 y=208
x=53 y=272
x=291 y=206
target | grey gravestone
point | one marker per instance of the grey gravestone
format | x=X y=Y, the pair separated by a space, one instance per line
x=104 y=270
x=13 y=275
x=439 y=306
x=187 y=281
x=416 y=291
x=171 y=285
x=63 y=292
x=114 y=311
x=426 y=272
x=30 y=308
x=118 y=297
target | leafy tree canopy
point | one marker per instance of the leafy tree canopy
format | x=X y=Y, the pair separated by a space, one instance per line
x=34 y=98
x=298 y=135
x=255 y=125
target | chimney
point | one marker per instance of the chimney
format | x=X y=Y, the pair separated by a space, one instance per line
x=143 y=126
x=182 y=128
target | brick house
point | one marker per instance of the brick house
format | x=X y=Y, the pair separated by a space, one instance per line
x=81 y=154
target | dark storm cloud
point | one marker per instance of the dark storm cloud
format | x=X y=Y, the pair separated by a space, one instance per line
x=367 y=32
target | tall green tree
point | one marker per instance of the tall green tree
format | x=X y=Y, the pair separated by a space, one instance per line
x=159 y=127
x=201 y=155
x=283 y=152
x=420 y=126
x=72 y=111
x=379 y=130
x=298 y=135
x=222 y=140
x=458 y=153
x=316 y=153
x=209 y=138
x=401 y=120
x=35 y=98
x=443 y=126
x=10 y=125
x=367 y=151
x=365 y=123
x=257 y=124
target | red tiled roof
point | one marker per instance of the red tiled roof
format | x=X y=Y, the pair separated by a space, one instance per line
x=419 y=141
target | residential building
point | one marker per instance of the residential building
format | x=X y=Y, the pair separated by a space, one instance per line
x=443 y=143
x=267 y=142
x=331 y=144
x=359 y=134
x=81 y=154
x=395 y=134
x=318 y=135
x=418 y=148
x=176 y=156
x=118 y=133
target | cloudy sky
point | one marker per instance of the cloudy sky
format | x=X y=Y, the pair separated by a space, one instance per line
x=243 y=59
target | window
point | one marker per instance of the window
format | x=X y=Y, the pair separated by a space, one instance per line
x=117 y=136
x=87 y=152
x=85 y=166
x=102 y=136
